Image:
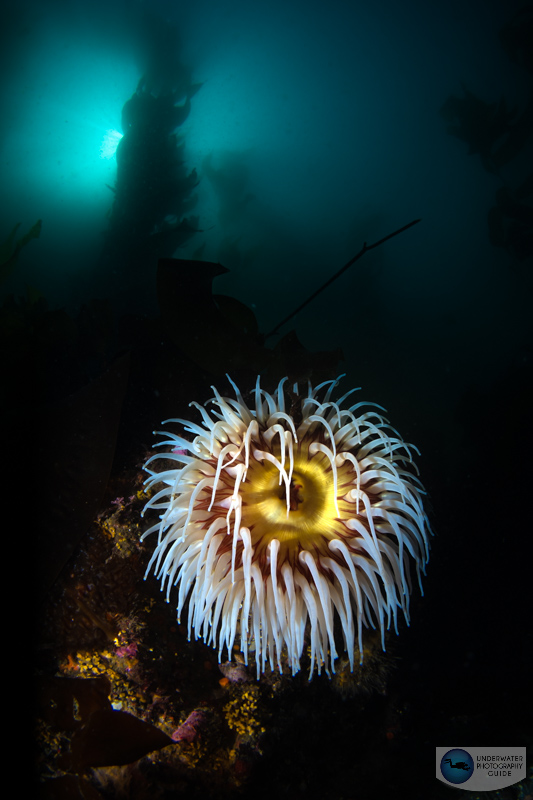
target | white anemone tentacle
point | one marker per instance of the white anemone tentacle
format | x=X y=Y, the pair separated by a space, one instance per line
x=274 y=531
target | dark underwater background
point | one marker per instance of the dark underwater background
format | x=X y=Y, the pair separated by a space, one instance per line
x=276 y=139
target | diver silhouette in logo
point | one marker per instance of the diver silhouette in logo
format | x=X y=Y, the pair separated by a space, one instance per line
x=458 y=764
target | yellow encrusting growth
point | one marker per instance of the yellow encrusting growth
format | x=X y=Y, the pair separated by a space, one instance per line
x=242 y=712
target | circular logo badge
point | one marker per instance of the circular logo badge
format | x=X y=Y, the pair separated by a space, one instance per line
x=457 y=765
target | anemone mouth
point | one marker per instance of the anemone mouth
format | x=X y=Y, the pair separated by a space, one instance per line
x=272 y=529
x=302 y=514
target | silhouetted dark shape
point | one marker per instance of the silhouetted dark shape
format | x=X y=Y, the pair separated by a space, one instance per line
x=152 y=182
x=10 y=248
x=511 y=222
x=221 y=334
x=153 y=191
x=101 y=735
x=458 y=764
x=481 y=125
x=518 y=135
x=516 y=38
x=153 y=199
x=153 y=115
x=500 y=135
x=160 y=59
x=230 y=183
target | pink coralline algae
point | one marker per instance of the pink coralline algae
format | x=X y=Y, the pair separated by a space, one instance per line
x=120 y=501
x=127 y=650
x=189 y=730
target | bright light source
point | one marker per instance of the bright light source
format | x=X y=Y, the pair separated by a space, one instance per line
x=110 y=143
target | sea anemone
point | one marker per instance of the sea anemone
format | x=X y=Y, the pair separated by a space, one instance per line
x=281 y=526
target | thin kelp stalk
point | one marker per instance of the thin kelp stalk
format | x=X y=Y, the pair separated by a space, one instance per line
x=361 y=252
